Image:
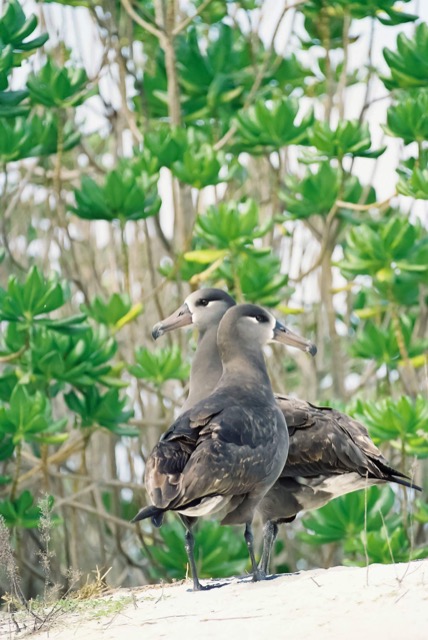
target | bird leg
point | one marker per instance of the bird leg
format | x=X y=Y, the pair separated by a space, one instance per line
x=270 y=532
x=249 y=539
x=190 y=550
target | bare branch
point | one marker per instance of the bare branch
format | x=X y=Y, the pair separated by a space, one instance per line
x=366 y=207
x=260 y=74
x=154 y=30
x=183 y=25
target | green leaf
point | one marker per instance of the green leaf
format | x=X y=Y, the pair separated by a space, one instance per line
x=413 y=174
x=80 y=359
x=205 y=256
x=219 y=551
x=317 y=191
x=271 y=124
x=408 y=119
x=9 y=101
x=106 y=410
x=421 y=515
x=385 y=11
x=35 y=296
x=402 y=423
x=201 y=166
x=109 y=312
x=349 y=138
x=7 y=447
x=214 y=79
x=28 y=417
x=348 y=516
x=388 y=545
x=382 y=343
x=409 y=63
x=125 y=195
x=59 y=87
x=394 y=254
x=35 y=136
x=68 y=325
x=15 y=29
x=260 y=278
x=21 y=512
x=230 y=225
x=165 y=144
x=159 y=365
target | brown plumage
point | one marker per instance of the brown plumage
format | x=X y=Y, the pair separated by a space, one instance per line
x=225 y=452
x=330 y=453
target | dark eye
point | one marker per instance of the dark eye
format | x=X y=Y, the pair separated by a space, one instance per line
x=261 y=318
x=203 y=302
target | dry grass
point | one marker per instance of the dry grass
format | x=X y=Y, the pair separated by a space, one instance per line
x=30 y=616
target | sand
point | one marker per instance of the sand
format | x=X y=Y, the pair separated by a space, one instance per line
x=381 y=601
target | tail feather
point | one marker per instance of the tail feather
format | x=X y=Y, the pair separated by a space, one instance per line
x=405 y=483
x=152 y=512
x=392 y=475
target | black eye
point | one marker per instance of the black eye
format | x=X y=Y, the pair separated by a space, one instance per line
x=261 y=318
x=203 y=302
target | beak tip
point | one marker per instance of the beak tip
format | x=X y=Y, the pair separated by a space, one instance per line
x=312 y=349
x=157 y=331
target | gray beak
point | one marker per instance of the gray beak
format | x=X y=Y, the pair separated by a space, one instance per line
x=281 y=333
x=180 y=318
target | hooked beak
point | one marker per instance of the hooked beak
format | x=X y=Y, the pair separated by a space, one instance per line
x=283 y=334
x=180 y=318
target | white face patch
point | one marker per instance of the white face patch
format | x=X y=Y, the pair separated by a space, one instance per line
x=193 y=308
x=271 y=323
x=190 y=304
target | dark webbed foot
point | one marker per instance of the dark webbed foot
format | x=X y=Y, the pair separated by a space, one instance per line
x=274 y=576
x=263 y=576
x=258 y=575
x=207 y=587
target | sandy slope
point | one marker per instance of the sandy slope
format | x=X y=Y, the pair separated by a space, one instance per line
x=350 y=603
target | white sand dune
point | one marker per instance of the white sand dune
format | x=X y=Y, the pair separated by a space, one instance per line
x=381 y=601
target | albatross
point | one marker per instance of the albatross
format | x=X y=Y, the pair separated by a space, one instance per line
x=330 y=454
x=226 y=451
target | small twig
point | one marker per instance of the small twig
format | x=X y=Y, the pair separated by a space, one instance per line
x=102 y=514
x=56 y=458
x=154 y=30
x=370 y=72
x=152 y=270
x=164 y=240
x=365 y=528
x=13 y=356
x=366 y=207
x=22 y=184
x=9 y=209
x=180 y=27
x=388 y=541
x=401 y=596
x=324 y=244
x=129 y=115
x=161 y=595
x=66 y=501
x=259 y=76
x=341 y=87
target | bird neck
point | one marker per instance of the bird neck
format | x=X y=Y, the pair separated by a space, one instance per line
x=243 y=362
x=247 y=366
x=206 y=368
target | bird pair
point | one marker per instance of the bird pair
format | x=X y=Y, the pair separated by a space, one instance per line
x=227 y=451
